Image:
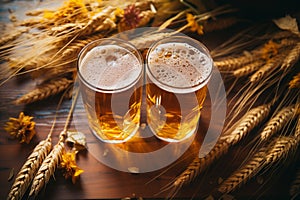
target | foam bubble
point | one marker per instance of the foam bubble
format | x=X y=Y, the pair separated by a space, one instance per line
x=181 y=66
x=110 y=67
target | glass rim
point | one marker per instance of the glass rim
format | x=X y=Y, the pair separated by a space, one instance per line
x=96 y=43
x=184 y=89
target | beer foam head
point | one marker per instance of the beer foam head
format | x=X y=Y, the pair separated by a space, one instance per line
x=110 y=67
x=179 y=65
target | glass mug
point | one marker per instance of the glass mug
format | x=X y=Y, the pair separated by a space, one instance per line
x=110 y=77
x=178 y=69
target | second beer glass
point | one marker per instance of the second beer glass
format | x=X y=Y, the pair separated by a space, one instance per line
x=111 y=74
x=178 y=70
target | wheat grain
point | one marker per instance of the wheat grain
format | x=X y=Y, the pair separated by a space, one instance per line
x=248 y=69
x=271 y=65
x=292 y=57
x=29 y=169
x=230 y=64
x=295 y=82
x=278 y=122
x=247 y=171
x=47 y=169
x=45 y=90
x=295 y=187
x=280 y=148
x=219 y=24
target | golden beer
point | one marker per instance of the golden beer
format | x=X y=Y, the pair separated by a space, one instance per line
x=178 y=70
x=111 y=75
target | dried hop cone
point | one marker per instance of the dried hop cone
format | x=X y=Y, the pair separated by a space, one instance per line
x=131 y=16
x=22 y=128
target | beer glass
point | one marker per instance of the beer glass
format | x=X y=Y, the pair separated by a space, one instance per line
x=110 y=75
x=178 y=69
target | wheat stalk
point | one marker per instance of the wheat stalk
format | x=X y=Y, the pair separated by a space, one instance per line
x=247 y=171
x=29 y=169
x=248 y=69
x=292 y=57
x=295 y=188
x=278 y=122
x=145 y=16
x=45 y=90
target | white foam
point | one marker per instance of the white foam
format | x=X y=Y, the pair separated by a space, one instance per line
x=179 y=65
x=110 y=67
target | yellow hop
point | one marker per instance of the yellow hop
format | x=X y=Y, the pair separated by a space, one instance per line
x=68 y=163
x=21 y=128
x=194 y=24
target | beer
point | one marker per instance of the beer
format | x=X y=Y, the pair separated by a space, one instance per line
x=110 y=73
x=178 y=70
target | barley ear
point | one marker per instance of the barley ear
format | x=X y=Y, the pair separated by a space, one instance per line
x=29 y=169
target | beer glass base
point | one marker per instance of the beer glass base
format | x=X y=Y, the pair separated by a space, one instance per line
x=115 y=141
x=172 y=140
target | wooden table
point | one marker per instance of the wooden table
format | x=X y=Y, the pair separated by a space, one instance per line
x=101 y=182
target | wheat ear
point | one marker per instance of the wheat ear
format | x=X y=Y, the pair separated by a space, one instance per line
x=295 y=187
x=247 y=171
x=271 y=65
x=198 y=165
x=29 y=169
x=292 y=57
x=48 y=167
x=249 y=121
x=51 y=162
x=278 y=122
x=75 y=47
x=248 y=69
x=12 y=36
x=231 y=64
x=45 y=90
x=295 y=82
x=280 y=148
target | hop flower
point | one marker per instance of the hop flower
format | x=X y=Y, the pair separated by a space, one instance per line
x=194 y=24
x=131 y=16
x=21 y=128
x=68 y=164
